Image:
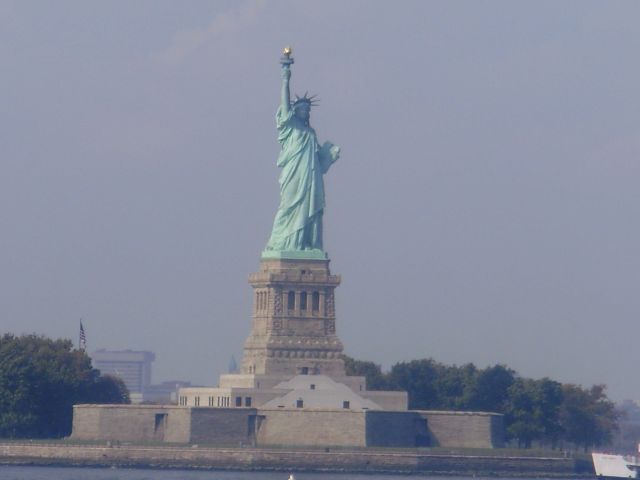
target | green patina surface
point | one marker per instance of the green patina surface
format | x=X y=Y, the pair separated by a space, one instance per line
x=297 y=228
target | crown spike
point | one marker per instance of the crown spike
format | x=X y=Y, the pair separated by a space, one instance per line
x=310 y=100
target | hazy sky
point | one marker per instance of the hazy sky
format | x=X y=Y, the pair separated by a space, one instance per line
x=486 y=207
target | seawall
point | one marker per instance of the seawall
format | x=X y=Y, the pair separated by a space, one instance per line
x=356 y=461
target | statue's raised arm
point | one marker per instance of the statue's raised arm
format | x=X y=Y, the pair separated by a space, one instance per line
x=285 y=98
x=297 y=228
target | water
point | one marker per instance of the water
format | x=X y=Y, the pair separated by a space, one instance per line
x=67 y=473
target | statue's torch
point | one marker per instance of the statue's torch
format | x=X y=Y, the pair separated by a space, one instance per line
x=286 y=59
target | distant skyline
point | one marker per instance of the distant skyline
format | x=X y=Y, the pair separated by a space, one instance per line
x=484 y=209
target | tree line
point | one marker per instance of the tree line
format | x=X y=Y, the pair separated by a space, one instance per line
x=541 y=411
x=40 y=381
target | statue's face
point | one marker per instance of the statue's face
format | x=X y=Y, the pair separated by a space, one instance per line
x=303 y=111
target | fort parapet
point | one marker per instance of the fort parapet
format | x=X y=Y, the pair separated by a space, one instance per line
x=286 y=426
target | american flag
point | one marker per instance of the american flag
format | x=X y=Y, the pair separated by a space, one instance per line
x=83 y=338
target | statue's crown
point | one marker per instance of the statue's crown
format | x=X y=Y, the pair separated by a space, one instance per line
x=309 y=100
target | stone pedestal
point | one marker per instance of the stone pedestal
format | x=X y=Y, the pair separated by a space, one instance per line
x=294 y=324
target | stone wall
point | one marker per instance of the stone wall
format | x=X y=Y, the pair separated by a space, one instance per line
x=86 y=423
x=395 y=429
x=464 y=429
x=178 y=426
x=311 y=427
x=286 y=461
x=131 y=423
x=144 y=423
x=286 y=426
x=218 y=426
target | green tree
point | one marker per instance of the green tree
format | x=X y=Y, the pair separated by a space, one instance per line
x=376 y=380
x=542 y=411
x=490 y=390
x=587 y=416
x=532 y=411
x=418 y=378
x=108 y=389
x=40 y=381
x=451 y=385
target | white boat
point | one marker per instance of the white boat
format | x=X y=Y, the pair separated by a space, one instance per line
x=616 y=466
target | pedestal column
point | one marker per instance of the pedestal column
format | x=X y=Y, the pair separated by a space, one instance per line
x=286 y=341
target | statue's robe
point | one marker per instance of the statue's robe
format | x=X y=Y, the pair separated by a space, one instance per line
x=298 y=222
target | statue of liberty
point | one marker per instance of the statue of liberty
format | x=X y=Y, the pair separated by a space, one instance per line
x=297 y=228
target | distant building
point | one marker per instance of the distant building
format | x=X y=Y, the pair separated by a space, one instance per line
x=165 y=392
x=133 y=367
